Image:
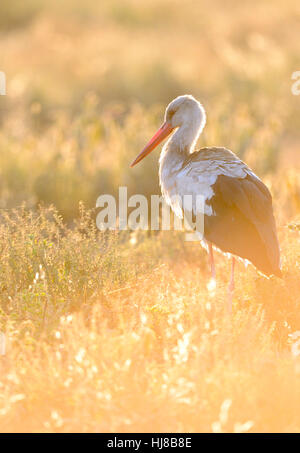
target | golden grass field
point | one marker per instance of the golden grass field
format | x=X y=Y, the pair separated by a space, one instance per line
x=118 y=331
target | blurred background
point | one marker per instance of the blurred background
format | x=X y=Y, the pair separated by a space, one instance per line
x=87 y=84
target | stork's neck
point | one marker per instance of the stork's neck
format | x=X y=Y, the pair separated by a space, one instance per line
x=185 y=137
x=181 y=144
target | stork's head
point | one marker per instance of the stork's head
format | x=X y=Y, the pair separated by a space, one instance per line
x=183 y=111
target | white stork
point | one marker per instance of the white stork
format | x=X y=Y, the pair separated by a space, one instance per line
x=238 y=213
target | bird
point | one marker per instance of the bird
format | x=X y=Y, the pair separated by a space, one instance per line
x=238 y=211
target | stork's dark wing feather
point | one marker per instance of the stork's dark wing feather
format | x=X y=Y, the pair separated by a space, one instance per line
x=243 y=221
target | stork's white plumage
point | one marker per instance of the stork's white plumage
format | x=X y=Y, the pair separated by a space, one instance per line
x=238 y=206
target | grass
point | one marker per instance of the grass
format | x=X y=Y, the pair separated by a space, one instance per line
x=121 y=331
x=109 y=336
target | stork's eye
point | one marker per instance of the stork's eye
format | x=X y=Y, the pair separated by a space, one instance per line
x=170 y=114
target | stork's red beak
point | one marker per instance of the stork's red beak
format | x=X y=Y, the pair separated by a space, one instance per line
x=160 y=135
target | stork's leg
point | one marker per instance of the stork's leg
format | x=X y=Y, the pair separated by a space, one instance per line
x=211 y=285
x=211 y=261
x=231 y=285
